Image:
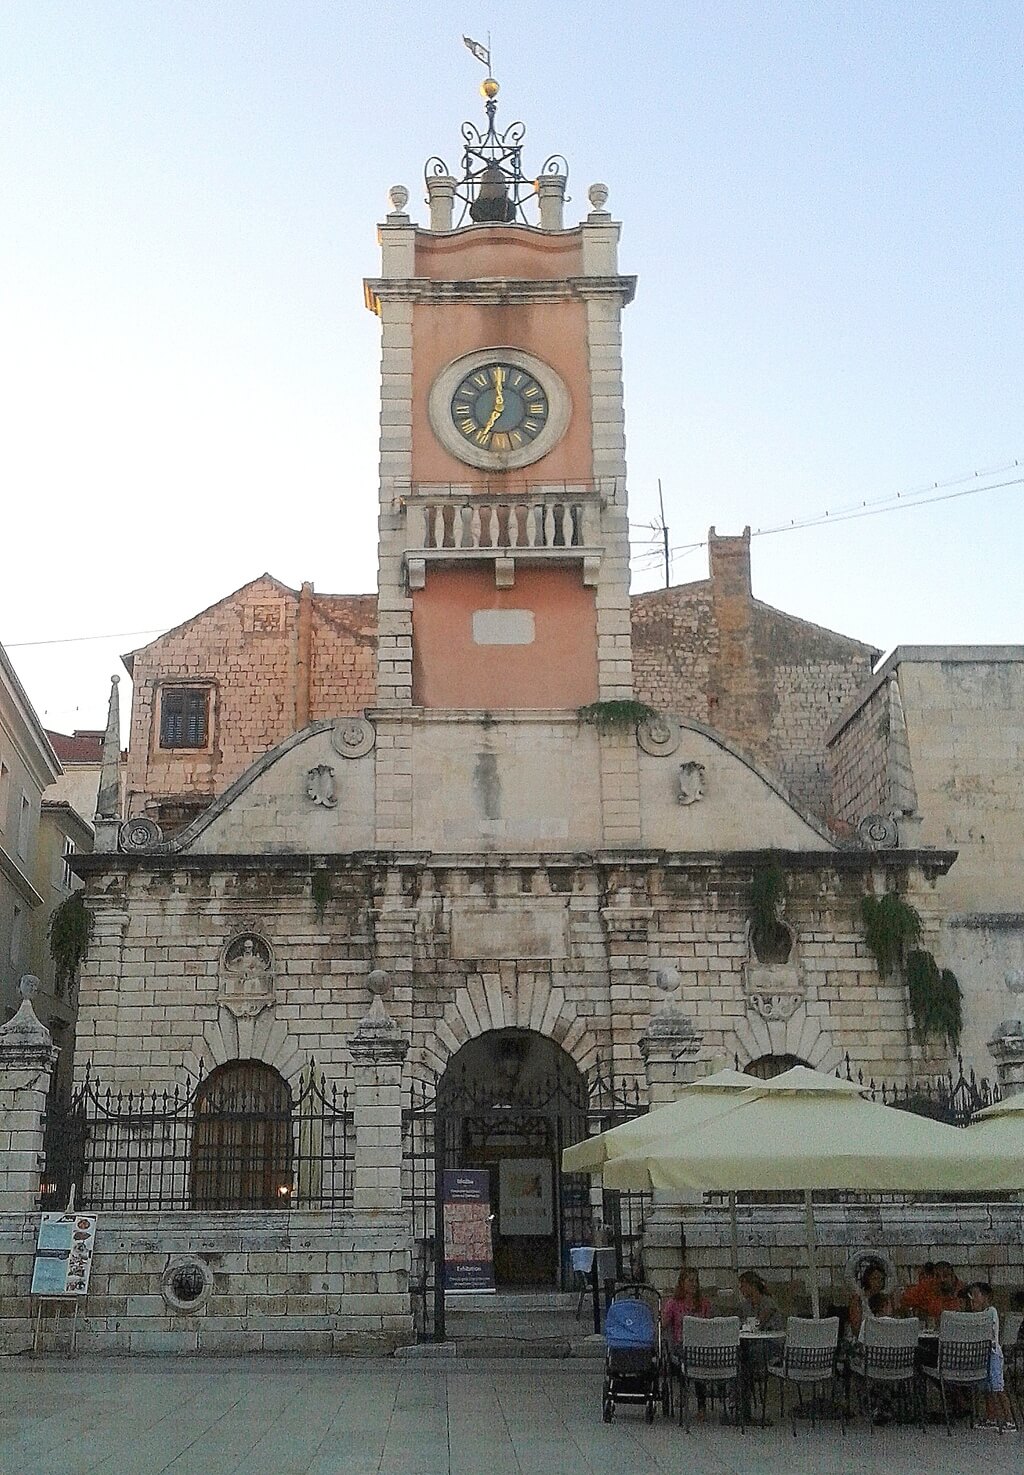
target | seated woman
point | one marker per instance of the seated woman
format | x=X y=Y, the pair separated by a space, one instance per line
x=685 y=1300
x=872 y=1283
x=758 y=1305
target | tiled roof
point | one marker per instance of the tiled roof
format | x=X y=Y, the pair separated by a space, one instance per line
x=78 y=747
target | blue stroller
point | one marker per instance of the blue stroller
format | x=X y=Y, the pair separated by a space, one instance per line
x=633 y=1364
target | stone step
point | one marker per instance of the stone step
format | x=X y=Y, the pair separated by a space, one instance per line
x=501 y=1347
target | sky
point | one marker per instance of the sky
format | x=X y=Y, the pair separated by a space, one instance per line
x=822 y=203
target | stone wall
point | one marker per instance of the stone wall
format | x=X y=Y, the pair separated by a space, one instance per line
x=983 y=1241
x=772 y=683
x=274 y=659
x=938 y=737
x=329 y=1281
x=561 y=947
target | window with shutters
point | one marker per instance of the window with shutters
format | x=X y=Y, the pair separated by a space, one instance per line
x=184 y=716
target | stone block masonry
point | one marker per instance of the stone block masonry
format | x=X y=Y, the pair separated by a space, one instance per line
x=313 y=1282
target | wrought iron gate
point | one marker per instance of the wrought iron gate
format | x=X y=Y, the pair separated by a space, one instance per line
x=551 y=1116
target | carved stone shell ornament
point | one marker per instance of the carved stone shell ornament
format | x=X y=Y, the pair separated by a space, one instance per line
x=691 y=782
x=320 y=786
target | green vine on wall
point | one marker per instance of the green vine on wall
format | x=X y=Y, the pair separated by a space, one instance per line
x=892 y=927
x=936 y=1002
x=69 y=933
x=770 y=938
x=320 y=886
x=611 y=715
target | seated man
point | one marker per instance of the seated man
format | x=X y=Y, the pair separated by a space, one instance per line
x=930 y=1296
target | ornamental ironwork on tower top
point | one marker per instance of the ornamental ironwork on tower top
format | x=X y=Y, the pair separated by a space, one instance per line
x=492 y=188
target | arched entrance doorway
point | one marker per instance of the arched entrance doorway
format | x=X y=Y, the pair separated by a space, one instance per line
x=508 y=1103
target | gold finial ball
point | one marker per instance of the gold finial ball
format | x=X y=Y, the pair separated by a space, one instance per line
x=489 y=88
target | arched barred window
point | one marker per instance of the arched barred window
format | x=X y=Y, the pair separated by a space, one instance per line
x=242 y=1139
x=767 y=1066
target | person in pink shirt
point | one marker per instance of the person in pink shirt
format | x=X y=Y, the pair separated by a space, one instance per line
x=685 y=1300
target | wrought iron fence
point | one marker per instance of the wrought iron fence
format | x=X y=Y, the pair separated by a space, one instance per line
x=945 y=1098
x=240 y=1139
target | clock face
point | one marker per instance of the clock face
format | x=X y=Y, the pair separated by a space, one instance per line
x=499 y=407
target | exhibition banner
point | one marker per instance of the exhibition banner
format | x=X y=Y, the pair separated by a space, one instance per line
x=468 y=1254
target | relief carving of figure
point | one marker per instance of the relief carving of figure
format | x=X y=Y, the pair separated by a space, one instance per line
x=247 y=976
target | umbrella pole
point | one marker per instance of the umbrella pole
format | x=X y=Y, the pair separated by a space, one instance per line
x=812 y=1256
x=734 y=1240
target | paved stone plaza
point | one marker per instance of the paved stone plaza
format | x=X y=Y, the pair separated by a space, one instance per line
x=340 y=1417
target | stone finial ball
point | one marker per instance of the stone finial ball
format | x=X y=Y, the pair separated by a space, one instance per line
x=668 y=979
x=597 y=194
x=379 y=982
x=29 y=986
x=398 y=196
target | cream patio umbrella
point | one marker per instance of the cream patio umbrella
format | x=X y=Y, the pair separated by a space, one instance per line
x=994 y=1142
x=697 y=1101
x=804 y=1130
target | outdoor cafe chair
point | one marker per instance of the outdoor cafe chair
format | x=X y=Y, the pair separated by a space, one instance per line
x=708 y=1352
x=886 y=1356
x=808 y=1361
x=965 y=1341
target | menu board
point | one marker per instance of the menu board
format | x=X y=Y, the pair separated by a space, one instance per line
x=468 y=1254
x=524 y=1196
x=64 y=1251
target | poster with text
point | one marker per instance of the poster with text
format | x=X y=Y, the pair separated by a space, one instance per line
x=64 y=1250
x=524 y=1196
x=468 y=1254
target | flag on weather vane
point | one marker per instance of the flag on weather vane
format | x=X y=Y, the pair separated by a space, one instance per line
x=482 y=53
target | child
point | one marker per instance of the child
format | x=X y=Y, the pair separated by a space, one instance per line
x=998 y=1412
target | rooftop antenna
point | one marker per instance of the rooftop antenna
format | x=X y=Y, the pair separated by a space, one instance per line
x=662 y=528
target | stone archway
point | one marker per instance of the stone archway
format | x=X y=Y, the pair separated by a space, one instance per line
x=508 y=1102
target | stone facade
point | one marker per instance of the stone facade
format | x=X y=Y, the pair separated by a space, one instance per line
x=772 y=683
x=328 y=1281
x=271 y=659
x=937 y=740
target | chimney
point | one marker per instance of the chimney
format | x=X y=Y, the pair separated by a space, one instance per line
x=729 y=564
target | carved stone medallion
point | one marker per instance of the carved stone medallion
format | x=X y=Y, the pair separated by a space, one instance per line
x=659 y=735
x=139 y=833
x=690 y=783
x=246 y=975
x=879 y=831
x=353 y=737
x=320 y=786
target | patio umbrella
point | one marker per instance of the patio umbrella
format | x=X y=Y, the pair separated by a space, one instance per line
x=804 y=1130
x=994 y=1142
x=696 y=1102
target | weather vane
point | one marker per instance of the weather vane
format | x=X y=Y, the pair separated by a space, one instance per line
x=492 y=187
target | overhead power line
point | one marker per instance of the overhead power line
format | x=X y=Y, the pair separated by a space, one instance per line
x=894 y=502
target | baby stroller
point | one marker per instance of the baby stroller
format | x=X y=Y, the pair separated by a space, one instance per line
x=633 y=1363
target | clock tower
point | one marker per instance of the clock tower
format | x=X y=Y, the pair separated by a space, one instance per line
x=503 y=581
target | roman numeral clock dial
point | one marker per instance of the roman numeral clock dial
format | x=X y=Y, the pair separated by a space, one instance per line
x=499 y=407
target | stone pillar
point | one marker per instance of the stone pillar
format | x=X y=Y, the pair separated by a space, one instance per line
x=551 y=198
x=441 y=199
x=671 y=1045
x=107 y=819
x=27 y=1058
x=1007 y=1050
x=378 y=1048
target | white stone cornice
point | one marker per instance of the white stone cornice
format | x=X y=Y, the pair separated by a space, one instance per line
x=498 y=291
